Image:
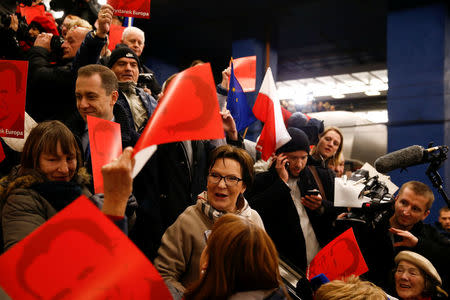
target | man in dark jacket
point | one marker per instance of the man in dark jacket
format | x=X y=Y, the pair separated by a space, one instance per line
x=297 y=220
x=137 y=104
x=403 y=229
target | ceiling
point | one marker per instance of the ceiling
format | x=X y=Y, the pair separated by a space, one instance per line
x=312 y=38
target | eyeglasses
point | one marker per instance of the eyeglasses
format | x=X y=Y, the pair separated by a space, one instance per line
x=229 y=180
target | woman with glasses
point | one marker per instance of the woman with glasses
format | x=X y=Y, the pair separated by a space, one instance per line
x=416 y=278
x=230 y=173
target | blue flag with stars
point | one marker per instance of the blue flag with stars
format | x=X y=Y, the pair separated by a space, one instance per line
x=237 y=104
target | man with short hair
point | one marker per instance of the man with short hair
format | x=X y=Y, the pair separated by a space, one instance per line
x=443 y=223
x=96 y=94
x=404 y=230
x=297 y=220
x=134 y=38
x=137 y=104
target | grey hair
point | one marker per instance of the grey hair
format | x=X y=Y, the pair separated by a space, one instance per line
x=133 y=29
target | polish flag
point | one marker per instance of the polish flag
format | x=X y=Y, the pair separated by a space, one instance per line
x=267 y=109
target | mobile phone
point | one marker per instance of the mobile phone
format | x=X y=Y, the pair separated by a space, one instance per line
x=286 y=165
x=314 y=192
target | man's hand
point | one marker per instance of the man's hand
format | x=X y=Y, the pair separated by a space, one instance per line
x=312 y=202
x=43 y=40
x=225 y=81
x=147 y=90
x=14 y=22
x=104 y=19
x=118 y=183
x=409 y=240
x=280 y=166
x=229 y=125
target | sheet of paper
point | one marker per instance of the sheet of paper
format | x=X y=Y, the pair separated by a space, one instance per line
x=346 y=193
x=383 y=178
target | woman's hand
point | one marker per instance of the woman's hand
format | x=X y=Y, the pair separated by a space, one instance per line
x=118 y=183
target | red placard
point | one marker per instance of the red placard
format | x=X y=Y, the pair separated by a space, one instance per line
x=340 y=258
x=115 y=35
x=30 y=12
x=245 y=72
x=2 y=153
x=105 y=144
x=189 y=110
x=13 y=87
x=131 y=8
x=79 y=254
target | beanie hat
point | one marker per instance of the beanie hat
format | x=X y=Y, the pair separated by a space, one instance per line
x=298 y=120
x=44 y=24
x=299 y=141
x=118 y=53
x=419 y=261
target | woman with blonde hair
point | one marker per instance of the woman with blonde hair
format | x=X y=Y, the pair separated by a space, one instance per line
x=240 y=261
x=351 y=288
x=328 y=147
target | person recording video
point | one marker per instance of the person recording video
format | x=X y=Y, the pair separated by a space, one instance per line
x=402 y=228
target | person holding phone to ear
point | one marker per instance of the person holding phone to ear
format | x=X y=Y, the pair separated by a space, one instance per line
x=288 y=200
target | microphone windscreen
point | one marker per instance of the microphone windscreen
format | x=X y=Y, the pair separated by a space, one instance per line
x=402 y=158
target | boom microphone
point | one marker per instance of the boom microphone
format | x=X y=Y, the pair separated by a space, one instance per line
x=403 y=158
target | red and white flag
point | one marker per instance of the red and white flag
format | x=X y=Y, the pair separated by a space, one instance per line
x=267 y=109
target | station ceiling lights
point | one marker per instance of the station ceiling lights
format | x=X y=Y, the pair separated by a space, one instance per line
x=361 y=84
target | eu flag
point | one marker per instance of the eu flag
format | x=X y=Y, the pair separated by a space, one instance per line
x=237 y=104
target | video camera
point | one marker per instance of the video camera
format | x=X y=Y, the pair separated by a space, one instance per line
x=380 y=204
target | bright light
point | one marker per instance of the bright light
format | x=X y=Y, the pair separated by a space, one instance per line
x=101 y=2
x=338 y=96
x=337 y=86
x=58 y=14
x=372 y=93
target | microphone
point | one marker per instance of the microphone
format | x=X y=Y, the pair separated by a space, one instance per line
x=406 y=157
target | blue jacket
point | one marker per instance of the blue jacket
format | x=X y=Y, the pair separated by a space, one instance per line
x=148 y=101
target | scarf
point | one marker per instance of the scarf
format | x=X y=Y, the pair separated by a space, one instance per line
x=58 y=193
x=214 y=214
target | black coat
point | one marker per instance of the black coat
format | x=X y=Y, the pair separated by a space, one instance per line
x=379 y=253
x=270 y=197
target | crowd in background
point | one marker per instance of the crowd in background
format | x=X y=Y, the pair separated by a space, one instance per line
x=211 y=216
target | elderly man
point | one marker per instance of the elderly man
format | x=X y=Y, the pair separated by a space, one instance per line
x=50 y=86
x=295 y=217
x=134 y=38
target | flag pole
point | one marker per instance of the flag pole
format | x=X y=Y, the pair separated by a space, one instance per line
x=245 y=133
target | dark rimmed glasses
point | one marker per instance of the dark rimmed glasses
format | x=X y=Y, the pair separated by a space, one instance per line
x=230 y=180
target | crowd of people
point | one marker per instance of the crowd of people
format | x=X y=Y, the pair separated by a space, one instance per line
x=213 y=220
